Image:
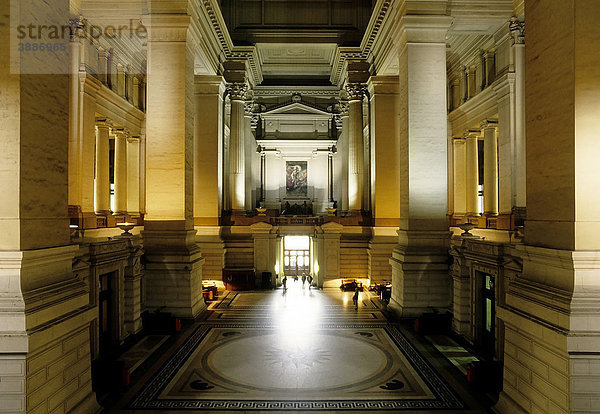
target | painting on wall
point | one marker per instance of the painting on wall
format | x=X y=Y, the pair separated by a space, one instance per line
x=296 y=178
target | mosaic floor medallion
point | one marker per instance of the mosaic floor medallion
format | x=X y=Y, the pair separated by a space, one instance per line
x=260 y=368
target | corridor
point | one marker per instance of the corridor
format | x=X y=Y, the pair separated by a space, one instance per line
x=300 y=350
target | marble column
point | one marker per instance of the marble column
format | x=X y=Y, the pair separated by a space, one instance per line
x=133 y=175
x=45 y=311
x=236 y=148
x=471 y=81
x=75 y=143
x=490 y=168
x=517 y=30
x=342 y=157
x=472 y=172
x=208 y=142
x=420 y=279
x=135 y=92
x=121 y=80
x=356 y=147
x=552 y=311
x=120 y=171
x=102 y=180
x=460 y=176
x=385 y=149
x=173 y=259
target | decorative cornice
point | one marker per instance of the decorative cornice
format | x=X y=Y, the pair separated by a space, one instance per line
x=327 y=92
x=225 y=48
x=362 y=52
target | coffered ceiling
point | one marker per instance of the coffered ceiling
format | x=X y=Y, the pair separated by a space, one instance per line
x=306 y=60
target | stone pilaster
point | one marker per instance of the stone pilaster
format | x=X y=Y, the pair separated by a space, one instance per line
x=102 y=178
x=385 y=146
x=552 y=312
x=45 y=313
x=173 y=259
x=461 y=295
x=419 y=263
x=120 y=171
x=472 y=173
x=265 y=251
x=208 y=139
x=328 y=255
x=490 y=168
x=355 y=147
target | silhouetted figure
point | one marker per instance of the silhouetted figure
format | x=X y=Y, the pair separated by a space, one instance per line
x=284 y=282
x=303 y=279
x=310 y=279
x=355 y=299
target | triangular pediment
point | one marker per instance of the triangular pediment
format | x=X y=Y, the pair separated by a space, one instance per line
x=296 y=108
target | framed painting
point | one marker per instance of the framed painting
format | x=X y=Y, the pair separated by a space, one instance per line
x=296 y=178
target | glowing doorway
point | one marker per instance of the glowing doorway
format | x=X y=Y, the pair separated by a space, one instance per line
x=296 y=255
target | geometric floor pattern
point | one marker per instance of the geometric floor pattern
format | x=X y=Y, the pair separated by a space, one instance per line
x=298 y=350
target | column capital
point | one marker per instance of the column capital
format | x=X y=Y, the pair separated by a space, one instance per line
x=133 y=139
x=517 y=31
x=119 y=132
x=237 y=91
x=355 y=91
x=103 y=123
x=489 y=124
x=249 y=108
x=472 y=134
x=425 y=28
x=459 y=140
x=382 y=85
x=344 y=106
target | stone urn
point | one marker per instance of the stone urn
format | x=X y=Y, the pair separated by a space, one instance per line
x=466 y=228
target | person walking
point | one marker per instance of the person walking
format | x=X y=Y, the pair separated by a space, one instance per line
x=303 y=279
x=284 y=282
x=310 y=279
x=355 y=299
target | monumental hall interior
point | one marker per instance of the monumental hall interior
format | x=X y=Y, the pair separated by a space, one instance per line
x=309 y=206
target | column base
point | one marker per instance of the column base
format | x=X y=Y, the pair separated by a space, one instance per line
x=420 y=279
x=45 y=333
x=173 y=272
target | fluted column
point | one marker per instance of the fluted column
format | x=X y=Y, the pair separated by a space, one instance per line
x=236 y=147
x=356 y=145
x=102 y=180
x=490 y=168
x=472 y=173
x=120 y=171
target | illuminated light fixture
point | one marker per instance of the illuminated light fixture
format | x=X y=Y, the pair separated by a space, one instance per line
x=126 y=227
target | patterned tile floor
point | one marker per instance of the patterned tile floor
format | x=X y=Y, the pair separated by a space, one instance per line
x=299 y=350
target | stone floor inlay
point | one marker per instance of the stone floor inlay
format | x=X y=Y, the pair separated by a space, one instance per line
x=294 y=356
